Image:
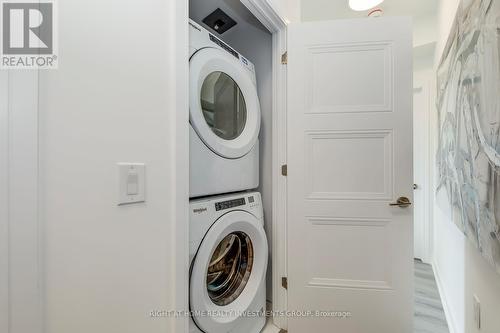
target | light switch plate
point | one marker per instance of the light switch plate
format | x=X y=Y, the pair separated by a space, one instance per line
x=131 y=183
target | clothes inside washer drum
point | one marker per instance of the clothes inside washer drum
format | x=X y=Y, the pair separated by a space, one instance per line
x=230 y=268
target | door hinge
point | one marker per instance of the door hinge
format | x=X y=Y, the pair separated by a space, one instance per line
x=284 y=170
x=284 y=58
x=284 y=282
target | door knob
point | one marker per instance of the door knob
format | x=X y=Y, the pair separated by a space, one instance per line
x=401 y=202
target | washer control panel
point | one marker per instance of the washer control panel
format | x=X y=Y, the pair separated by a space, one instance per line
x=253 y=202
x=229 y=204
x=206 y=209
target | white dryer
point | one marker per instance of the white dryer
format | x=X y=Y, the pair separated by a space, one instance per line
x=228 y=256
x=224 y=117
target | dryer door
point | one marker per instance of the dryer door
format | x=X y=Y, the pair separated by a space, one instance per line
x=228 y=270
x=223 y=103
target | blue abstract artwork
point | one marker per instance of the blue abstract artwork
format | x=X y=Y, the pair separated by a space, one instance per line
x=468 y=103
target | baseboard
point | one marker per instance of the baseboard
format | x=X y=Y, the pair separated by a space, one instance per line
x=452 y=327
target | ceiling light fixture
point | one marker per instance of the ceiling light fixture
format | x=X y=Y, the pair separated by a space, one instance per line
x=362 y=5
x=376 y=12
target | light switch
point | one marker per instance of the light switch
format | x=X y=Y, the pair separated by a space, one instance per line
x=131 y=183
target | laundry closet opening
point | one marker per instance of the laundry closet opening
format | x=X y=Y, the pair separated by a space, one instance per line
x=231 y=144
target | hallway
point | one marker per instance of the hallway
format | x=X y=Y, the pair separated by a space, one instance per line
x=429 y=313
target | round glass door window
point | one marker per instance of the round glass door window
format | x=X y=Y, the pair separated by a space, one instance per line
x=230 y=268
x=223 y=105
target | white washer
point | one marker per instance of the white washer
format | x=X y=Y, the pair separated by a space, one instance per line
x=228 y=257
x=224 y=117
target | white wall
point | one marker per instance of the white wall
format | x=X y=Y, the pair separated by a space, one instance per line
x=118 y=96
x=424 y=30
x=23 y=225
x=4 y=197
x=290 y=10
x=460 y=269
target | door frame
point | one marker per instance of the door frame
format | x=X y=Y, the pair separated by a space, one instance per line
x=427 y=230
x=273 y=21
x=21 y=228
x=268 y=16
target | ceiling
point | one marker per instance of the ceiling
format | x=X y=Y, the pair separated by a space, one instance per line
x=337 y=9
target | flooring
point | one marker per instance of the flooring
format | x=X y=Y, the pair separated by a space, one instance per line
x=429 y=315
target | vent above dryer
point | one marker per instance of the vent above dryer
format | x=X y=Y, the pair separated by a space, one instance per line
x=219 y=21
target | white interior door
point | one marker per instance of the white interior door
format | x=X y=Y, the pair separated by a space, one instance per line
x=350 y=157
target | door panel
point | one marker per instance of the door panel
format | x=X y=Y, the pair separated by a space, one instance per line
x=365 y=72
x=350 y=156
x=351 y=178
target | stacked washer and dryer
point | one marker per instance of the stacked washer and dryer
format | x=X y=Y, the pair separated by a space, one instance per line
x=228 y=245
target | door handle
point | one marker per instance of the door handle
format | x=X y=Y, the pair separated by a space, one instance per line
x=402 y=202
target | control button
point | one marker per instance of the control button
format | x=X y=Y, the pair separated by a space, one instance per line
x=132 y=182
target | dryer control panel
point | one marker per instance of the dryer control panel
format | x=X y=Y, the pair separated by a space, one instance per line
x=245 y=62
x=200 y=38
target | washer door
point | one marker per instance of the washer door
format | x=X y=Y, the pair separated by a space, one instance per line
x=224 y=106
x=227 y=271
